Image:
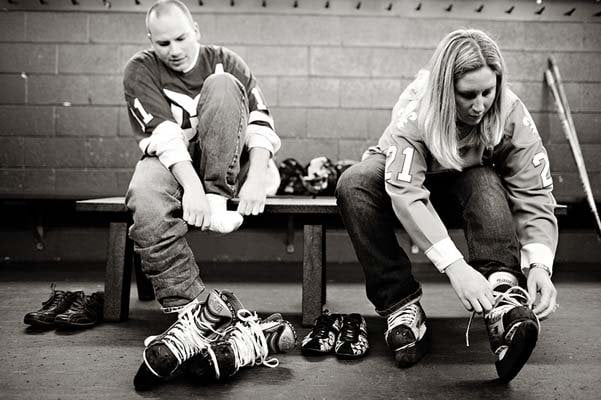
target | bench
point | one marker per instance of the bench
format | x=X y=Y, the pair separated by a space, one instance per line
x=311 y=213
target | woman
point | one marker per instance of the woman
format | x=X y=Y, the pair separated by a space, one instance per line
x=462 y=147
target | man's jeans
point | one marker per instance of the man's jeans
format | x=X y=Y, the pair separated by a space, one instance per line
x=473 y=199
x=154 y=195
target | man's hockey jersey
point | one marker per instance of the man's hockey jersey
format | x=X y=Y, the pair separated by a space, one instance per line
x=520 y=160
x=163 y=103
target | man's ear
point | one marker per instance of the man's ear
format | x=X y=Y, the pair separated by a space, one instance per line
x=197 y=32
x=149 y=37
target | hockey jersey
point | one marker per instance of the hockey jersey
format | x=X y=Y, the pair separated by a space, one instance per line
x=163 y=103
x=520 y=160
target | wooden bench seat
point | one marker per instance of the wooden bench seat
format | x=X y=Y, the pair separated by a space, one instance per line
x=311 y=213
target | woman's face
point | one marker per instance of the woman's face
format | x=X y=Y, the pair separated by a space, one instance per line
x=474 y=95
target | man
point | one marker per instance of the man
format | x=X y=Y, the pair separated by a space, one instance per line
x=207 y=135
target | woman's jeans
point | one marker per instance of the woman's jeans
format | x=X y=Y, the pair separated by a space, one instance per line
x=473 y=199
x=154 y=195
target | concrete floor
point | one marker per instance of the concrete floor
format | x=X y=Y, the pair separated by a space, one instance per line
x=100 y=363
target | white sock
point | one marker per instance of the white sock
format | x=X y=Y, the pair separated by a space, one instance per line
x=502 y=280
x=222 y=220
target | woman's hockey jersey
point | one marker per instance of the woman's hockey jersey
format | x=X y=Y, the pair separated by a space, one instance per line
x=163 y=103
x=520 y=160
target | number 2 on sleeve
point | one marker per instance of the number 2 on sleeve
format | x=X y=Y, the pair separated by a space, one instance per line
x=545 y=175
x=407 y=160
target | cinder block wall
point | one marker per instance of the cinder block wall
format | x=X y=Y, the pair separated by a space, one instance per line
x=331 y=71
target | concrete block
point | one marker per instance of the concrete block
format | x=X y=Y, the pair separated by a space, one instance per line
x=128 y=51
x=277 y=29
x=124 y=126
x=56 y=152
x=587 y=128
x=308 y=92
x=89 y=59
x=86 y=121
x=112 y=153
x=75 y=89
x=278 y=60
x=542 y=120
x=353 y=149
x=337 y=123
x=88 y=183
x=123 y=178
x=39 y=181
x=398 y=63
x=26 y=120
x=106 y=90
x=290 y=122
x=13 y=89
x=12 y=26
x=592 y=37
x=304 y=150
x=377 y=123
x=591 y=98
x=341 y=61
x=118 y=28
x=11 y=180
x=57 y=27
x=11 y=155
x=537 y=96
x=561 y=158
x=553 y=36
x=269 y=87
x=369 y=93
x=568 y=186
x=28 y=58
x=372 y=31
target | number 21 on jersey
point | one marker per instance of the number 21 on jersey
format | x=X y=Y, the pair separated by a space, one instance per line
x=545 y=174
x=407 y=155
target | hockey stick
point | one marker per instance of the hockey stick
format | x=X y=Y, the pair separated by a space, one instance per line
x=567 y=124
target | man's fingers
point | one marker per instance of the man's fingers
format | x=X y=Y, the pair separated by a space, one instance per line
x=532 y=289
x=477 y=307
x=486 y=304
x=466 y=304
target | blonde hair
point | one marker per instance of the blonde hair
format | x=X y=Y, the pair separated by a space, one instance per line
x=460 y=52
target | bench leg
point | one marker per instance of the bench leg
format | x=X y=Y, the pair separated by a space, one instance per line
x=118 y=273
x=313 y=267
x=145 y=289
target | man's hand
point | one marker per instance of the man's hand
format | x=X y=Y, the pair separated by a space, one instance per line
x=252 y=196
x=539 y=281
x=196 y=209
x=472 y=288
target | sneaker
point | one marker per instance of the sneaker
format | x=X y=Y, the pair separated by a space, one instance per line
x=513 y=331
x=187 y=337
x=58 y=302
x=322 y=338
x=245 y=344
x=407 y=334
x=85 y=312
x=352 y=339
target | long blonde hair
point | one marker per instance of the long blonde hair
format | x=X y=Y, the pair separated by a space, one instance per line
x=460 y=52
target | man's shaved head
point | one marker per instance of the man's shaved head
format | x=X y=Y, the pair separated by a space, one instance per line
x=162 y=7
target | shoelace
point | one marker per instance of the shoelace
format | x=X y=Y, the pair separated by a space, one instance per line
x=185 y=337
x=248 y=343
x=55 y=298
x=403 y=316
x=323 y=325
x=78 y=304
x=513 y=297
x=350 y=330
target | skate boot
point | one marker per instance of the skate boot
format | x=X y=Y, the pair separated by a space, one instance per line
x=187 y=337
x=407 y=334
x=244 y=344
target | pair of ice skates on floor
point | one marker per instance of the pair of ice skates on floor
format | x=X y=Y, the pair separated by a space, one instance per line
x=511 y=324
x=212 y=341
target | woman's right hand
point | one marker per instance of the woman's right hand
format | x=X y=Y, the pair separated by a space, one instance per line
x=472 y=288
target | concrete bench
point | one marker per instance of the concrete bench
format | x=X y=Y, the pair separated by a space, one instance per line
x=311 y=213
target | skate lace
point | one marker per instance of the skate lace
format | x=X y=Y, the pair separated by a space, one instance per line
x=248 y=342
x=515 y=296
x=186 y=337
x=403 y=316
x=56 y=296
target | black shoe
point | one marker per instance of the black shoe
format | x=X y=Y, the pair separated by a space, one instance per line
x=322 y=338
x=85 y=312
x=513 y=331
x=407 y=334
x=352 y=339
x=58 y=303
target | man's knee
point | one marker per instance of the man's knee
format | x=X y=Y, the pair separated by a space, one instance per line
x=222 y=83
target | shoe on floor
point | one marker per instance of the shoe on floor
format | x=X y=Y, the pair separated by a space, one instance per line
x=322 y=338
x=512 y=330
x=58 y=302
x=247 y=343
x=187 y=337
x=407 y=334
x=84 y=312
x=352 y=339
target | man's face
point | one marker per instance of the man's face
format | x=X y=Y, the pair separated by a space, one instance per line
x=474 y=95
x=174 y=38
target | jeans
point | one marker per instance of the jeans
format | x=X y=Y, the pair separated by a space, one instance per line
x=154 y=195
x=474 y=199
